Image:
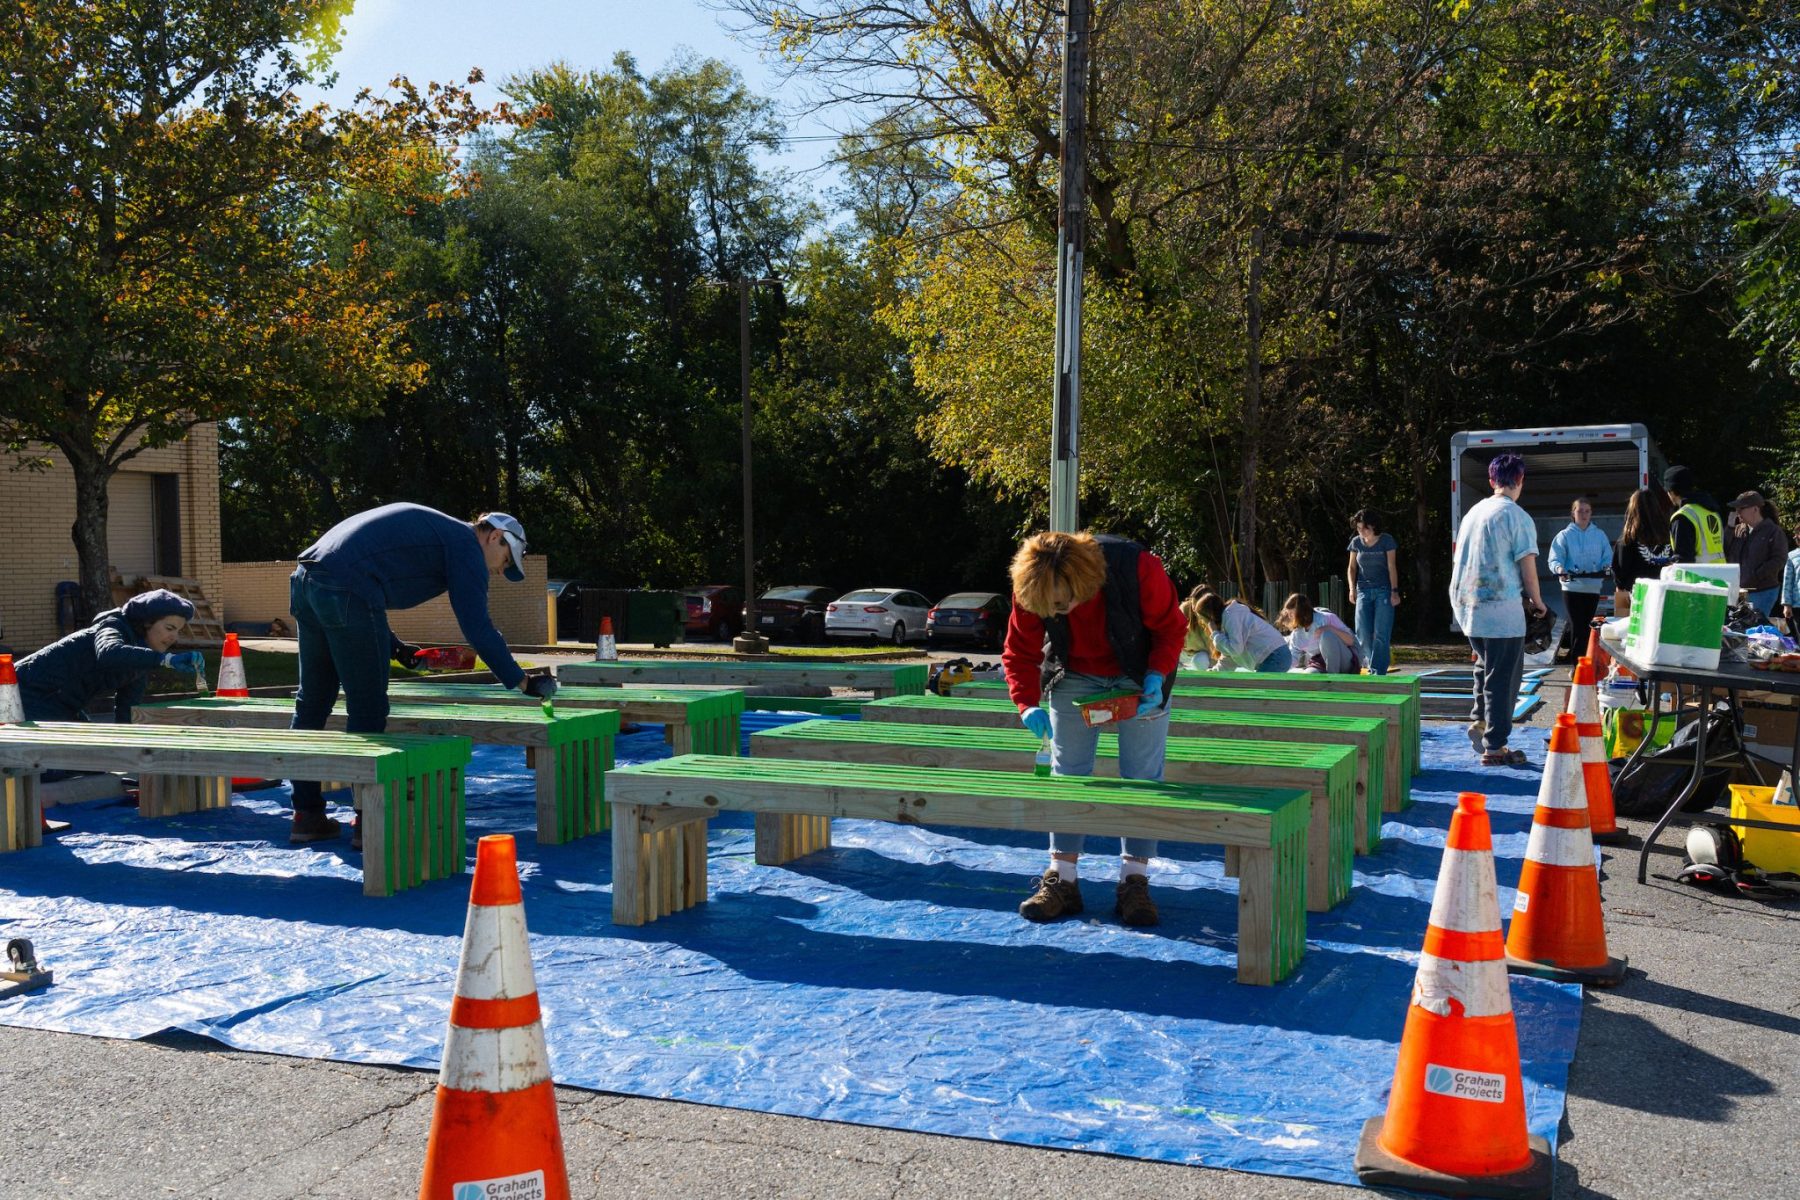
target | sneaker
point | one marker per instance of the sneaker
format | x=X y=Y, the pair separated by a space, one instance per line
x=1134 y=906
x=1054 y=898
x=1504 y=758
x=313 y=827
x=1477 y=731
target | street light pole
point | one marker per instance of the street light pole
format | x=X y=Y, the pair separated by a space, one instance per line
x=748 y=640
x=1071 y=245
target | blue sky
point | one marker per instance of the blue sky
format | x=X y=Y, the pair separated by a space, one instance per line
x=442 y=39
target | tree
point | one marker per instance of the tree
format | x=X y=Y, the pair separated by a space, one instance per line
x=166 y=211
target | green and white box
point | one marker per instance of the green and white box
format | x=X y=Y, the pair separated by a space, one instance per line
x=1676 y=624
x=1725 y=574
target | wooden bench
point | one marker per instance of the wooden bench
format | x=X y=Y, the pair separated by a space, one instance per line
x=1376 y=791
x=1296 y=681
x=881 y=679
x=1327 y=773
x=570 y=753
x=1402 y=753
x=660 y=811
x=694 y=721
x=409 y=787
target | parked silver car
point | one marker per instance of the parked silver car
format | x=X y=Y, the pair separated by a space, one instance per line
x=890 y=614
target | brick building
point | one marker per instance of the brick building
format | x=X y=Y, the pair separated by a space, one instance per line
x=163 y=519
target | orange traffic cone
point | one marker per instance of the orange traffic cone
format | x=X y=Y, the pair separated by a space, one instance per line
x=494 y=1130
x=1597 y=650
x=1558 y=930
x=1455 y=1119
x=1584 y=703
x=12 y=705
x=606 y=649
x=232 y=682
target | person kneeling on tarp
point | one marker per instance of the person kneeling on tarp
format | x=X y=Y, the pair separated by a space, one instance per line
x=1092 y=614
x=114 y=655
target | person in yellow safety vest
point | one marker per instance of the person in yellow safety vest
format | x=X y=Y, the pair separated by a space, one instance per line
x=1697 y=528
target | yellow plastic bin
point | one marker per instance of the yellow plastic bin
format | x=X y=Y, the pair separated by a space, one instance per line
x=1770 y=849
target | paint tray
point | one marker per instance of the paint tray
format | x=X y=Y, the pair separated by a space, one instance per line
x=1108 y=707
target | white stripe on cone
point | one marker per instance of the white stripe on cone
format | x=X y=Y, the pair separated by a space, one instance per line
x=1467 y=899
x=1480 y=987
x=12 y=707
x=496 y=954
x=1591 y=750
x=1584 y=702
x=1555 y=847
x=1564 y=785
x=495 y=1060
x=231 y=674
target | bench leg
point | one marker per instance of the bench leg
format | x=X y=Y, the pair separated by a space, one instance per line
x=659 y=862
x=21 y=811
x=783 y=837
x=680 y=737
x=1368 y=811
x=372 y=801
x=1328 y=854
x=1271 y=911
x=552 y=819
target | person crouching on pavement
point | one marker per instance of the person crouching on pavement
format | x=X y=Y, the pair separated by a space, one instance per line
x=1092 y=614
x=114 y=655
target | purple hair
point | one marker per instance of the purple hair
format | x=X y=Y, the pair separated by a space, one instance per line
x=1507 y=470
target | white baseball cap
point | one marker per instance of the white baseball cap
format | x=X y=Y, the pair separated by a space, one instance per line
x=514 y=533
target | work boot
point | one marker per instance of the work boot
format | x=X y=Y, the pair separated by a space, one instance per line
x=1054 y=898
x=313 y=827
x=1134 y=906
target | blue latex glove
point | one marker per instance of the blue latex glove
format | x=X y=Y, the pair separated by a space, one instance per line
x=1153 y=691
x=1036 y=720
x=188 y=662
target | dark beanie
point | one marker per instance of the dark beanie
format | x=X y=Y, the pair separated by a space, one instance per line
x=1681 y=481
x=149 y=607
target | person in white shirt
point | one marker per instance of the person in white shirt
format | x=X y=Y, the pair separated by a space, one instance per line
x=1318 y=639
x=1243 y=640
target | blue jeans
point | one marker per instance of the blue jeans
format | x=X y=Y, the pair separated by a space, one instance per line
x=1374 y=627
x=343 y=644
x=1073 y=747
x=1765 y=599
x=1279 y=662
x=1500 y=665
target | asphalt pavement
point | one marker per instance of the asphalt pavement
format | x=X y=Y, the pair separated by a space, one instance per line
x=1686 y=1084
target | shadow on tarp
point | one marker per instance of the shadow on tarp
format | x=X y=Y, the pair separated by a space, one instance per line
x=889 y=982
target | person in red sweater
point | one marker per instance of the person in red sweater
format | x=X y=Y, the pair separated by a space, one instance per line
x=1092 y=614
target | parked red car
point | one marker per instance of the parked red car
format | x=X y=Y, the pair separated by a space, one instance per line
x=714 y=612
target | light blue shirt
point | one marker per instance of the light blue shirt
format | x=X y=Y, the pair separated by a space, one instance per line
x=1790 y=580
x=1576 y=550
x=1485 y=592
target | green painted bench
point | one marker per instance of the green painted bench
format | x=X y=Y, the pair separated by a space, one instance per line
x=570 y=752
x=1400 y=712
x=1327 y=773
x=1376 y=789
x=694 y=721
x=1295 y=681
x=408 y=786
x=882 y=679
x=660 y=811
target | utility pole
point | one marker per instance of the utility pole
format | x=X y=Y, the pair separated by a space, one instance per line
x=748 y=640
x=1071 y=247
x=1246 y=564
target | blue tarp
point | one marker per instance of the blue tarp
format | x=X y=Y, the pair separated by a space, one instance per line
x=887 y=982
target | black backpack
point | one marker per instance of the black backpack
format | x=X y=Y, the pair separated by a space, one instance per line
x=1651 y=784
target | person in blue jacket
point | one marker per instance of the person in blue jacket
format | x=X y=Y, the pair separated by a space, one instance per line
x=396 y=556
x=114 y=655
x=1581 y=558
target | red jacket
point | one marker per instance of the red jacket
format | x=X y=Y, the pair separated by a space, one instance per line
x=1089 y=651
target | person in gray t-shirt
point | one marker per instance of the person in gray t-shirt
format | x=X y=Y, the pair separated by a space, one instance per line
x=1374 y=578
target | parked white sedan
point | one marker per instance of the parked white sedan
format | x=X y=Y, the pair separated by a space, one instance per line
x=894 y=614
